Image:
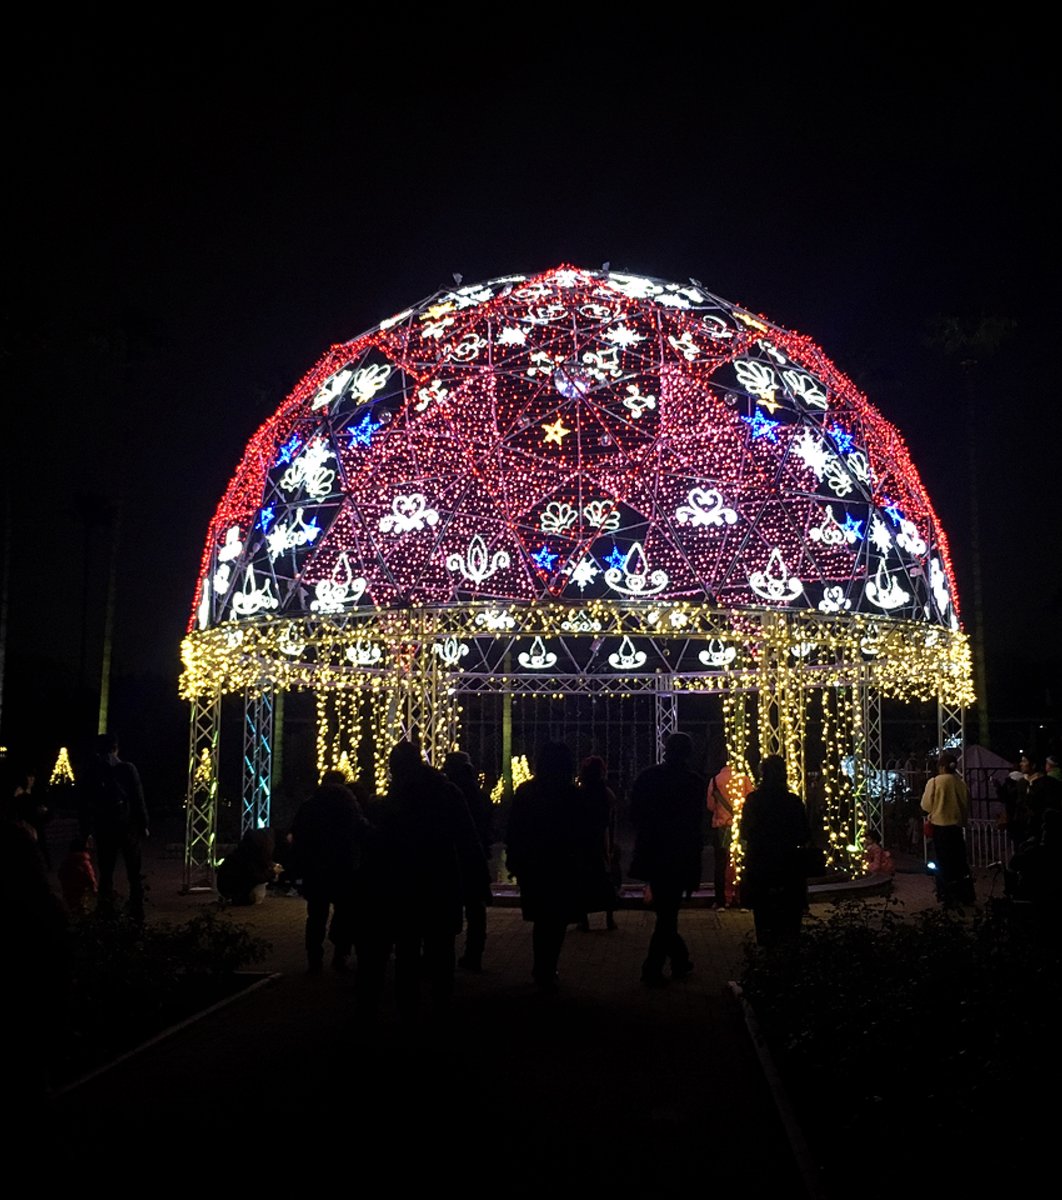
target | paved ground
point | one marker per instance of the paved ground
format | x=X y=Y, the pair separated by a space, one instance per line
x=605 y=1084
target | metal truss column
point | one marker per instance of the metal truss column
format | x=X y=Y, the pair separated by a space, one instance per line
x=666 y=710
x=951 y=726
x=201 y=806
x=257 y=758
x=870 y=788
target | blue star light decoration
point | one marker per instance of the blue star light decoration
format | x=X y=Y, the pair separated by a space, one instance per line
x=288 y=451
x=851 y=525
x=617 y=559
x=843 y=440
x=894 y=513
x=544 y=558
x=266 y=517
x=762 y=427
x=361 y=435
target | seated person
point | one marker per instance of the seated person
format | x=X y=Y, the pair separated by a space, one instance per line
x=243 y=874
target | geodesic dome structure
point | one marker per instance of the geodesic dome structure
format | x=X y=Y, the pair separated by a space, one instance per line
x=580 y=481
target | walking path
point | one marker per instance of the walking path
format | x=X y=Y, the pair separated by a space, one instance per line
x=605 y=1084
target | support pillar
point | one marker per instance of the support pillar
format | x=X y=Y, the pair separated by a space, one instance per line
x=666 y=711
x=201 y=806
x=257 y=759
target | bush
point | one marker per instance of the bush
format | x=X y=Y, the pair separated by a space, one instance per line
x=910 y=1031
x=128 y=982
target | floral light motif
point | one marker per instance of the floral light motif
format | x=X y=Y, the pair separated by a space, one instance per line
x=805 y=389
x=756 y=378
x=908 y=538
x=636 y=403
x=450 y=651
x=939 y=585
x=431 y=393
x=288 y=537
x=364 y=653
x=603 y=515
x=829 y=532
x=834 y=600
x=703 y=507
x=232 y=547
x=291 y=643
x=408 y=514
x=557 y=516
x=477 y=565
x=495 y=619
x=332 y=389
x=626 y=658
x=718 y=654
x=343 y=588
x=309 y=472
x=538 y=658
x=581 y=622
x=634 y=577
x=884 y=589
x=774 y=582
x=249 y=599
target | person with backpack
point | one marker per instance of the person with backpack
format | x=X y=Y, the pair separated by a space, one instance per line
x=113 y=811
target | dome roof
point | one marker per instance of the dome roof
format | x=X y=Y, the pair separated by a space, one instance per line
x=571 y=436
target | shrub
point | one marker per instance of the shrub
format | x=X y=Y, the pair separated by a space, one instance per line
x=909 y=1029
x=127 y=982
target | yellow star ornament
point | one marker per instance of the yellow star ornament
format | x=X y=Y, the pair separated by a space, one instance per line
x=556 y=432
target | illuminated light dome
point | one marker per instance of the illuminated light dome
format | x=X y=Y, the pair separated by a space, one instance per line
x=574 y=486
x=576 y=436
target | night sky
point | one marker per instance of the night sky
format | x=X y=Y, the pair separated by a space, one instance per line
x=196 y=215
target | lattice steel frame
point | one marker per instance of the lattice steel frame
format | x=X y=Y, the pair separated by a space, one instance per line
x=951 y=726
x=869 y=761
x=201 y=808
x=257 y=758
x=414 y=666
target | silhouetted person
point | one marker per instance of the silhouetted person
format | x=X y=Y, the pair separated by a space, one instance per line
x=424 y=859
x=599 y=801
x=458 y=768
x=552 y=849
x=774 y=826
x=36 y=958
x=112 y=809
x=668 y=812
x=29 y=808
x=327 y=838
x=244 y=875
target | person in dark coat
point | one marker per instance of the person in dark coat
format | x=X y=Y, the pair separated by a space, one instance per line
x=774 y=827
x=327 y=837
x=600 y=801
x=112 y=808
x=458 y=768
x=669 y=816
x=425 y=859
x=553 y=850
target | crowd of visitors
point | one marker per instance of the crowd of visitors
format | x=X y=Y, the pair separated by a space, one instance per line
x=401 y=875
